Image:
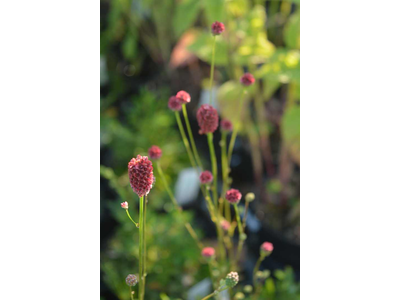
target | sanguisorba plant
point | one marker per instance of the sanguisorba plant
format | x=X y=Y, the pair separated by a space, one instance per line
x=141 y=178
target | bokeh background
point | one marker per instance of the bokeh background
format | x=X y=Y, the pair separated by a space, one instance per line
x=150 y=49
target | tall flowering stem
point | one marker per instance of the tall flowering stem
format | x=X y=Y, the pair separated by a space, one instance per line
x=225 y=173
x=212 y=68
x=178 y=208
x=241 y=233
x=196 y=154
x=141 y=248
x=185 y=140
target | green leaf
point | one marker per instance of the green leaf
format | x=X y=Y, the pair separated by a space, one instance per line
x=214 y=11
x=185 y=15
x=291 y=131
x=292 y=32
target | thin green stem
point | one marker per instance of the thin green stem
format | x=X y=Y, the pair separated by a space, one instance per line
x=246 y=209
x=256 y=267
x=144 y=242
x=216 y=292
x=235 y=129
x=241 y=233
x=141 y=249
x=212 y=69
x=225 y=174
x=130 y=290
x=129 y=216
x=185 y=140
x=193 y=144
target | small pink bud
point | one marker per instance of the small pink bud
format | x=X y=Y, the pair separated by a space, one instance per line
x=247 y=79
x=208 y=252
x=207 y=117
x=141 y=176
x=266 y=248
x=233 y=196
x=206 y=177
x=226 y=125
x=225 y=225
x=183 y=96
x=174 y=104
x=155 y=152
x=217 y=28
x=124 y=205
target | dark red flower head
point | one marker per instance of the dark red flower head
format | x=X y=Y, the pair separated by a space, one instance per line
x=217 y=28
x=155 y=152
x=266 y=248
x=233 y=196
x=206 y=177
x=247 y=79
x=183 y=96
x=226 y=125
x=207 y=117
x=141 y=176
x=208 y=252
x=174 y=103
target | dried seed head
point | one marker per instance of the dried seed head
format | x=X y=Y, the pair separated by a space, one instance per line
x=206 y=177
x=131 y=280
x=207 y=117
x=247 y=79
x=141 y=176
x=155 y=152
x=266 y=249
x=233 y=196
x=208 y=252
x=174 y=104
x=226 y=125
x=183 y=97
x=217 y=28
x=232 y=279
x=124 y=205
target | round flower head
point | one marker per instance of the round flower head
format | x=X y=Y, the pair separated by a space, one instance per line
x=206 y=177
x=207 y=117
x=232 y=279
x=124 y=205
x=225 y=225
x=250 y=197
x=141 y=176
x=183 y=97
x=233 y=196
x=226 y=125
x=131 y=280
x=208 y=252
x=174 y=104
x=266 y=248
x=247 y=79
x=155 y=152
x=217 y=28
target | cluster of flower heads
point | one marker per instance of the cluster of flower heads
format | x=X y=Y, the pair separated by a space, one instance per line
x=141 y=178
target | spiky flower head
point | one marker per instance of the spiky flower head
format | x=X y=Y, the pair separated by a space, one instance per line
x=247 y=79
x=217 y=28
x=174 y=104
x=125 y=205
x=250 y=197
x=131 y=280
x=155 y=152
x=208 y=252
x=232 y=279
x=225 y=225
x=226 y=125
x=141 y=176
x=207 y=117
x=233 y=196
x=183 y=97
x=206 y=177
x=266 y=249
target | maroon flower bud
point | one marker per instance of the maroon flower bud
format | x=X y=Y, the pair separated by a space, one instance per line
x=183 y=96
x=207 y=117
x=226 y=125
x=217 y=28
x=155 y=152
x=206 y=177
x=266 y=248
x=174 y=104
x=208 y=252
x=247 y=79
x=233 y=196
x=141 y=176
x=131 y=280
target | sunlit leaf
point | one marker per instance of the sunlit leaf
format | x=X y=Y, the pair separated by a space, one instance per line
x=214 y=10
x=185 y=15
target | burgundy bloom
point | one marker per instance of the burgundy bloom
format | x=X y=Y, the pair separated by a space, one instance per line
x=226 y=125
x=141 y=176
x=155 y=152
x=207 y=117
x=183 y=96
x=266 y=248
x=208 y=252
x=217 y=28
x=233 y=196
x=206 y=177
x=247 y=79
x=174 y=104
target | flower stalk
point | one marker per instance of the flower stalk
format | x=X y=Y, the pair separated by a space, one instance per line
x=193 y=144
x=212 y=68
x=141 y=248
